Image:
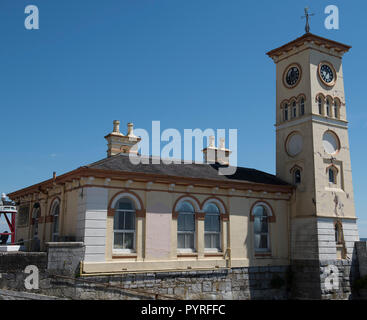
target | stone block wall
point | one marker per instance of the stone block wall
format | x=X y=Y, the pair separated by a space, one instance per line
x=239 y=284
x=64 y=257
x=326 y=279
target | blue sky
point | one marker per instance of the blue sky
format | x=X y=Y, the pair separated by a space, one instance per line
x=189 y=64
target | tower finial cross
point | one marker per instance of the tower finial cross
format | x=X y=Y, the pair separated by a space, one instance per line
x=307 y=16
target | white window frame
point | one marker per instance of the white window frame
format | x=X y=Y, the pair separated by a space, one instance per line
x=211 y=233
x=270 y=214
x=117 y=211
x=187 y=250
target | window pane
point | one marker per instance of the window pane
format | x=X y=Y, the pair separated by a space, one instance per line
x=129 y=220
x=190 y=241
x=189 y=222
x=212 y=222
x=216 y=241
x=208 y=223
x=212 y=208
x=264 y=225
x=56 y=224
x=181 y=241
x=264 y=241
x=117 y=242
x=257 y=224
x=56 y=210
x=181 y=222
x=118 y=221
x=257 y=241
x=128 y=240
x=186 y=207
x=259 y=211
x=207 y=241
x=124 y=204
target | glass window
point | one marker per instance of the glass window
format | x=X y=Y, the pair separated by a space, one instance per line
x=297 y=176
x=36 y=215
x=124 y=225
x=294 y=110
x=336 y=112
x=320 y=105
x=332 y=176
x=186 y=226
x=286 y=112
x=212 y=227
x=328 y=107
x=55 y=221
x=261 y=229
x=302 y=107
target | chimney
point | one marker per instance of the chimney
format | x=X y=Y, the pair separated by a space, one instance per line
x=119 y=143
x=212 y=154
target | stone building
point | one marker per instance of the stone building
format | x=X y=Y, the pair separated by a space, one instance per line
x=177 y=217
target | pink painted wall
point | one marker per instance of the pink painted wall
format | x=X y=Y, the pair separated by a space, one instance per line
x=158 y=231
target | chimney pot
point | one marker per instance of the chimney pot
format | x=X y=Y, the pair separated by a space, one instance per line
x=116 y=126
x=222 y=144
x=130 y=129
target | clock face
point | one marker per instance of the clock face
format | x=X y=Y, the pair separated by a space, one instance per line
x=292 y=76
x=327 y=74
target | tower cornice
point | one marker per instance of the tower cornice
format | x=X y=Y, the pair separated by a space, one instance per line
x=310 y=40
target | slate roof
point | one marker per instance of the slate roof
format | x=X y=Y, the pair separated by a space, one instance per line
x=202 y=171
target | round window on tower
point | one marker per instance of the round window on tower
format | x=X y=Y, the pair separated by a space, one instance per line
x=330 y=142
x=294 y=144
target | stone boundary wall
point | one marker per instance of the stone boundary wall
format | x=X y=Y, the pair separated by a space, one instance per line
x=238 y=284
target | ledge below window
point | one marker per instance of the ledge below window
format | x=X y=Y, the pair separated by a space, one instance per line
x=124 y=256
x=187 y=254
x=262 y=254
x=213 y=254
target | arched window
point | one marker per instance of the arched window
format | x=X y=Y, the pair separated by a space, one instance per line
x=261 y=227
x=36 y=214
x=319 y=102
x=302 y=107
x=332 y=175
x=186 y=227
x=212 y=227
x=286 y=112
x=336 y=110
x=294 y=109
x=328 y=111
x=124 y=226
x=297 y=176
x=55 y=212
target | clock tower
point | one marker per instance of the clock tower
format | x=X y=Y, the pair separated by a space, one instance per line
x=312 y=153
